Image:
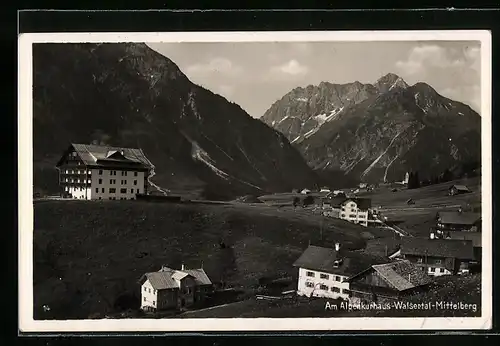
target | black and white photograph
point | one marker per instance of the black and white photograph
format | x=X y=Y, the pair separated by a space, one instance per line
x=255 y=181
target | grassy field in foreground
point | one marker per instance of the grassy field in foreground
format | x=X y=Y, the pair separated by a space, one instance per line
x=89 y=255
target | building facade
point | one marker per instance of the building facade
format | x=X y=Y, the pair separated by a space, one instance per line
x=95 y=172
x=355 y=210
x=313 y=283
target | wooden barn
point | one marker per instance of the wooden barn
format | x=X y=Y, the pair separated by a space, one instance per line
x=387 y=282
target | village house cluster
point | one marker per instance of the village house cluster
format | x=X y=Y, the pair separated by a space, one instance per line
x=95 y=172
x=453 y=246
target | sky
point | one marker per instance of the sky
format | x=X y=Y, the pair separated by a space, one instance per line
x=255 y=75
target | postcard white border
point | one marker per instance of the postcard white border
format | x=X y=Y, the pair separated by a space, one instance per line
x=25 y=175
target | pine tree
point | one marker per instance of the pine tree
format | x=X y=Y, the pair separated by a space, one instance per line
x=417 y=181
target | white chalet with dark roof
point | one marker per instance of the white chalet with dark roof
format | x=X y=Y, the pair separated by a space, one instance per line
x=174 y=289
x=103 y=172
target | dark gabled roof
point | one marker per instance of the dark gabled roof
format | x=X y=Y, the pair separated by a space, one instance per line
x=166 y=277
x=336 y=201
x=322 y=259
x=475 y=237
x=362 y=203
x=458 y=218
x=199 y=275
x=100 y=155
x=460 y=188
x=381 y=246
x=448 y=248
x=402 y=275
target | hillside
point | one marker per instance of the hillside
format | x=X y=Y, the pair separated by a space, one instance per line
x=88 y=256
x=379 y=132
x=129 y=95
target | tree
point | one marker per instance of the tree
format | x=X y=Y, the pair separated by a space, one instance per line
x=309 y=200
x=411 y=181
x=417 y=180
x=447 y=176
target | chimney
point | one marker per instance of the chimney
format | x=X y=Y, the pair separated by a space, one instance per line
x=337 y=246
x=432 y=235
x=121 y=152
x=409 y=278
x=182 y=266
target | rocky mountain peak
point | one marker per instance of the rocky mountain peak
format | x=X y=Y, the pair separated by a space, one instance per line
x=389 y=82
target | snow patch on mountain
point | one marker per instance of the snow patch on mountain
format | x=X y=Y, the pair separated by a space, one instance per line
x=283 y=119
x=367 y=170
x=201 y=155
x=302 y=99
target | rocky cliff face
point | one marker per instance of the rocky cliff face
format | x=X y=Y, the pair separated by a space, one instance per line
x=129 y=95
x=391 y=129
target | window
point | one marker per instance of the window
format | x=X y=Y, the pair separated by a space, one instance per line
x=131 y=190
x=343 y=215
x=154 y=303
x=135 y=182
x=438 y=261
x=420 y=260
x=100 y=181
x=154 y=291
x=144 y=298
x=89 y=171
x=149 y=290
x=309 y=284
x=112 y=190
x=311 y=274
x=346 y=291
x=124 y=182
x=97 y=190
x=100 y=172
x=352 y=215
x=100 y=197
x=335 y=289
x=123 y=190
x=323 y=276
x=135 y=174
x=145 y=289
x=323 y=287
x=102 y=190
x=125 y=173
x=337 y=278
x=432 y=269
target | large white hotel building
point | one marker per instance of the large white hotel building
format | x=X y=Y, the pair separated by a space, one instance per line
x=103 y=172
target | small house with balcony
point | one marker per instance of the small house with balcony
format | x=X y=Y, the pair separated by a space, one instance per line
x=458 y=221
x=438 y=257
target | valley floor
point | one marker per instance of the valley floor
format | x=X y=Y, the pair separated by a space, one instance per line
x=89 y=255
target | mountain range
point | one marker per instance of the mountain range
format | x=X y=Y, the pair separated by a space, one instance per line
x=128 y=95
x=378 y=132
